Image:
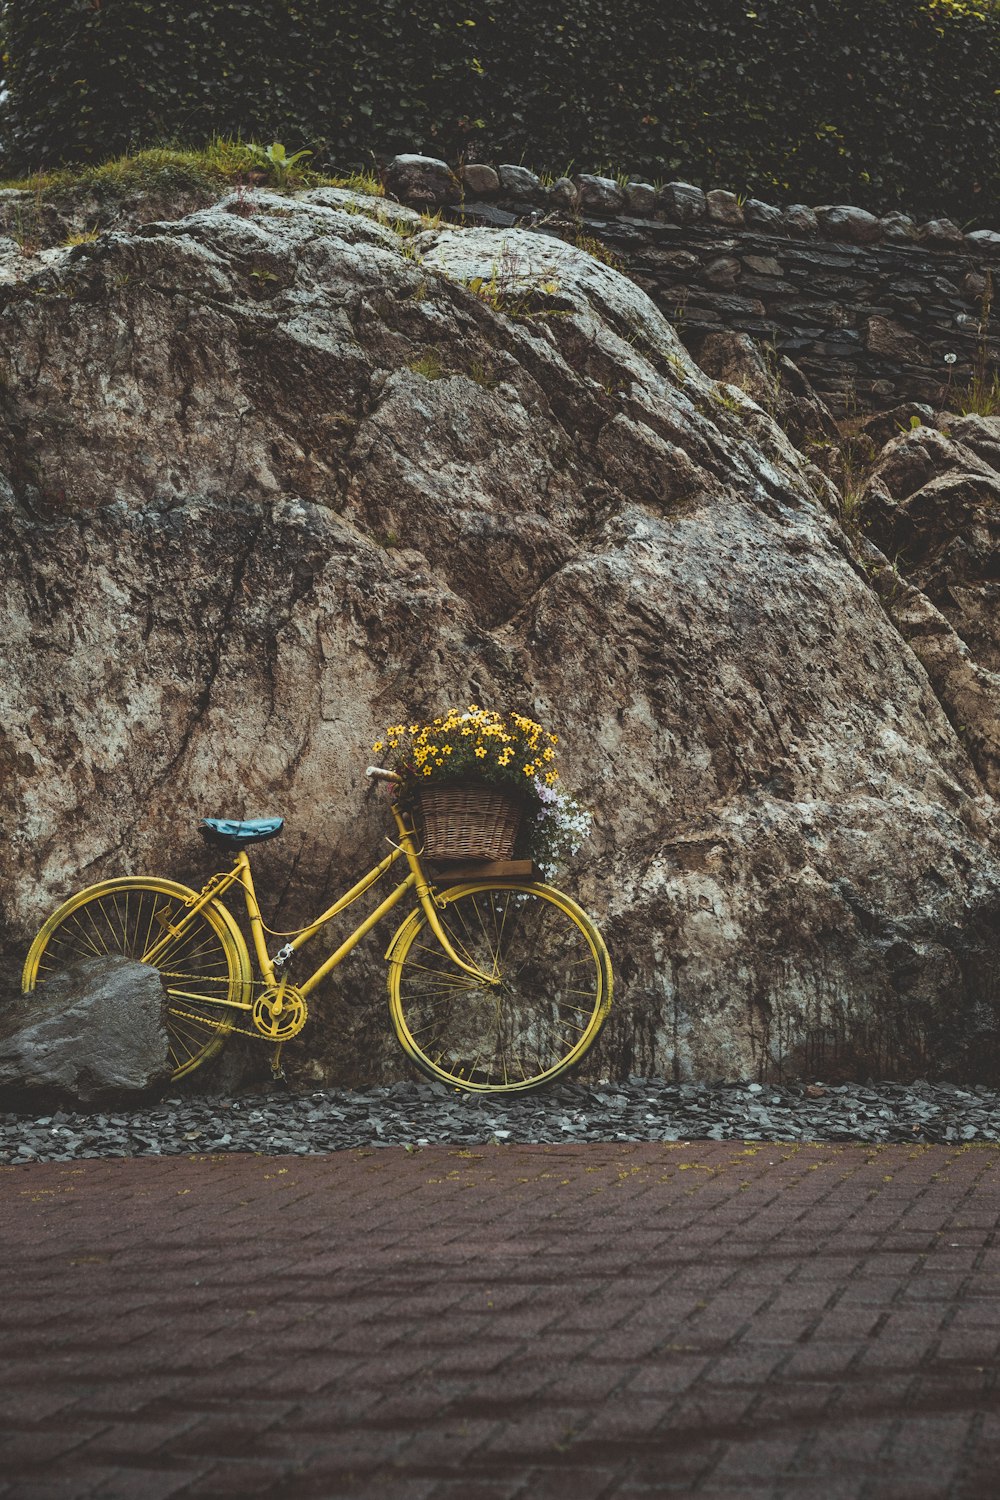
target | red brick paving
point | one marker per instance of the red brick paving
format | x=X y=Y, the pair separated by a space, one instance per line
x=505 y=1323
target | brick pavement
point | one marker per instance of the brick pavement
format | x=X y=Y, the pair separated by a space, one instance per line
x=505 y=1323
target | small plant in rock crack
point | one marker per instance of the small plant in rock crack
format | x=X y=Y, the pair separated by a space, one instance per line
x=478 y=372
x=598 y=251
x=243 y=203
x=429 y=366
x=265 y=282
x=26 y=233
x=81 y=237
x=722 y=396
x=510 y=288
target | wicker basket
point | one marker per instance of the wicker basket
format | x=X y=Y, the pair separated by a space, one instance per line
x=468 y=820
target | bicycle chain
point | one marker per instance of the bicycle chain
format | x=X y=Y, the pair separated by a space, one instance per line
x=187 y=1015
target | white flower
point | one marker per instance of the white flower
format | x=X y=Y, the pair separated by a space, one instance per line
x=950 y=359
x=561 y=825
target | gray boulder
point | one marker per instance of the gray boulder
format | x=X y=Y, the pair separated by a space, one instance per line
x=93 y=1033
x=724 y=208
x=932 y=504
x=764 y=216
x=565 y=193
x=640 y=198
x=421 y=179
x=599 y=195
x=518 y=182
x=776 y=384
x=841 y=221
x=899 y=228
x=683 y=202
x=800 y=220
x=942 y=233
x=480 y=180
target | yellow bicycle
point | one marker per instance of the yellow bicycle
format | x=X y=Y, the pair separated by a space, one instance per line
x=497 y=983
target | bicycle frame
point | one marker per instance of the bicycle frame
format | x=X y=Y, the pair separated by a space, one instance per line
x=242 y=876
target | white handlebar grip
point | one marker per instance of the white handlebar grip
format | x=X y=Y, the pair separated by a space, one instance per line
x=380 y=774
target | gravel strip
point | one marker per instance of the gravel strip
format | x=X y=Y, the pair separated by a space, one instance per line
x=283 y=1123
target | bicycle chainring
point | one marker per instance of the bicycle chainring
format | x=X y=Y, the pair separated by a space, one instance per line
x=279 y=1013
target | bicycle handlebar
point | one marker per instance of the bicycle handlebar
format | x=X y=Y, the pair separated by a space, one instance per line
x=380 y=775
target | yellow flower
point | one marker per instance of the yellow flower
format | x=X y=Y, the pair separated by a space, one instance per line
x=551 y=776
x=480 y=751
x=427 y=770
x=378 y=745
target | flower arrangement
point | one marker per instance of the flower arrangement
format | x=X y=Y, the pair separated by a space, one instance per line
x=476 y=744
x=510 y=752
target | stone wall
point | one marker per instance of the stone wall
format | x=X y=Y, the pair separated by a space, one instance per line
x=876 y=311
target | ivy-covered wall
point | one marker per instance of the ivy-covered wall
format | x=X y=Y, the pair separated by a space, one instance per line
x=881 y=103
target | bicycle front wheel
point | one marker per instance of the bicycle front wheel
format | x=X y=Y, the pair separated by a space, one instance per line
x=204 y=964
x=546 y=1008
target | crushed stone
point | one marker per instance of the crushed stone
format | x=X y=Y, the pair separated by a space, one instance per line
x=282 y=1122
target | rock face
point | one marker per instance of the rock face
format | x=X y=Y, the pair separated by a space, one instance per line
x=275 y=475
x=93 y=1034
x=932 y=505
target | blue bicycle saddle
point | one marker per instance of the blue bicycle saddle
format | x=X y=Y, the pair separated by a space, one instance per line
x=235 y=835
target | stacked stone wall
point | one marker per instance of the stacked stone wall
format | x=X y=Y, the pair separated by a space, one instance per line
x=876 y=311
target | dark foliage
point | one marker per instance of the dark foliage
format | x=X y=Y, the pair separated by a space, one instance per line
x=878 y=102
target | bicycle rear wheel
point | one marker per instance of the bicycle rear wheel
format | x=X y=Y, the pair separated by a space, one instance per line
x=546 y=1010
x=204 y=963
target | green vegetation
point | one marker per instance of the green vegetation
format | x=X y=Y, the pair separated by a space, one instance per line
x=223 y=162
x=277 y=161
x=878 y=102
x=597 y=251
x=981 y=396
x=429 y=366
x=509 y=290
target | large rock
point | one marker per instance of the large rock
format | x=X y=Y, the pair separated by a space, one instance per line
x=272 y=480
x=92 y=1034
